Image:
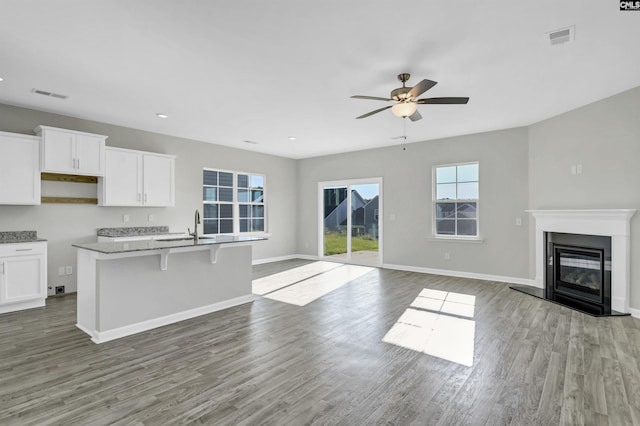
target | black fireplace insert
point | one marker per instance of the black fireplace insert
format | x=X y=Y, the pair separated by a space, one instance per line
x=579 y=271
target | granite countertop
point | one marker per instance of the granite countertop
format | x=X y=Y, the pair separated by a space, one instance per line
x=169 y=243
x=133 y=231
x=10 y=237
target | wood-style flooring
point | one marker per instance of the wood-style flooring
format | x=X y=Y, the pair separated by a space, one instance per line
x=275 y=363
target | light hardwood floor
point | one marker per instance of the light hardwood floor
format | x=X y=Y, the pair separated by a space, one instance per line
x=270 y=362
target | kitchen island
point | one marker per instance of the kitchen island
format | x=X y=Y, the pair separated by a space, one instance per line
x=129 y=287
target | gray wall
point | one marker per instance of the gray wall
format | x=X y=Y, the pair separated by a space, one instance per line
x=605 y=138
x=523 y=168
x=407 y=183
x=66 y=224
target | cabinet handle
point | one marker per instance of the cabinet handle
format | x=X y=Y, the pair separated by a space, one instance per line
x=145 y=197
x=2 y=268
x=78 y=163
x=27 y=249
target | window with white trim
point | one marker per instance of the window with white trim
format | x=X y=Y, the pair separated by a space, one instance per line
x=456 y=196
x=234 y=202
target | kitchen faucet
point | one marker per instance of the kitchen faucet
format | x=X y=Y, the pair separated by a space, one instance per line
x=196 y=221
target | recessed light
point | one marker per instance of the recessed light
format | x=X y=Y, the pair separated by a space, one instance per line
x=1 y=79
x=161 y=115
x=292 y=138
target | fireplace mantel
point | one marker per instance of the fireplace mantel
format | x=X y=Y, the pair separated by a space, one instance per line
x=614 y=223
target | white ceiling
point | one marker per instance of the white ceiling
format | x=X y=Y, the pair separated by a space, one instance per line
x=229 y=71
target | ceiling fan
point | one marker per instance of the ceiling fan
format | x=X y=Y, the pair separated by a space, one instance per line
x=405 y=99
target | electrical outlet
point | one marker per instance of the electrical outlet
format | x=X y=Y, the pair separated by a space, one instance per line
x=518 y=221
x=69 y=270
x=150 y=218
x=61 y=271
x=447 y=255
x=125 y=218
x=60 y=289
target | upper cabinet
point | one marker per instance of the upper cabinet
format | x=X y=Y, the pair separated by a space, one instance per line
x=137 y=178
x=19 y=169
x=72 y=152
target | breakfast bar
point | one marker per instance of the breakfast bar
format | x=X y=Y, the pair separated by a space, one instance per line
x=129 y=287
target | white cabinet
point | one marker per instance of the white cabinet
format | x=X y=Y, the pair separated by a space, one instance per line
x=137 y=178
x=23 y=272
x=158 y=180
x=122 y=183
x=71 y=152
x=19 y=169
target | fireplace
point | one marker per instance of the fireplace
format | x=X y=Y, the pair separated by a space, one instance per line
x=606 y=268
x=579 y=271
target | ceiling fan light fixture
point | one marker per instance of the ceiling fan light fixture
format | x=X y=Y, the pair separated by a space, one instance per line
x=404 y=109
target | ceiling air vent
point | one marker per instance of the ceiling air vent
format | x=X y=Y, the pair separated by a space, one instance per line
x=50 y=94
x=562 y=35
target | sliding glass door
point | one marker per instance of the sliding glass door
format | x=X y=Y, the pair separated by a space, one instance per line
x=350 y=226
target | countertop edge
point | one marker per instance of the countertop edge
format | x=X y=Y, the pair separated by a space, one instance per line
x=154 y=245
x=37 y=240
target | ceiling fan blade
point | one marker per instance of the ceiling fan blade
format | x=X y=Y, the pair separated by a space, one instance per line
x=373 y=98
x=415 y=116
x=421 y=87
x=443 y=101
x=374 y=112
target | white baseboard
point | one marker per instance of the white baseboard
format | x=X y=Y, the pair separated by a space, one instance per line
x=105 y=336
x=460 y=274
x=21 y=306
x=445 y=272
x=634 y=312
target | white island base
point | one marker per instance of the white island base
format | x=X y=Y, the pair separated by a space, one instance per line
x=127 y=293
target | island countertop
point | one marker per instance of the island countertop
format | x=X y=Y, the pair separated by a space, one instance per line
x=169 y=243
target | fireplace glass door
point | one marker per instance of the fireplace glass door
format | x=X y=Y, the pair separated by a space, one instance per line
x=580 y=273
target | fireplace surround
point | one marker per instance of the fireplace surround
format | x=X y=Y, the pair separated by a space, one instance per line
x=615 y=224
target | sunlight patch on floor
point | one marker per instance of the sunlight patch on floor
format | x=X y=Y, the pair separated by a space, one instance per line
x=436 y=324
x=283 y=279
x=307 y=291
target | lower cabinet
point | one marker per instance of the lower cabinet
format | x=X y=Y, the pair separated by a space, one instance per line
x=23 y=276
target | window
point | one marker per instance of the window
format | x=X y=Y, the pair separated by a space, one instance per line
x=456 y=197
x=251 y=202
x=233 y=202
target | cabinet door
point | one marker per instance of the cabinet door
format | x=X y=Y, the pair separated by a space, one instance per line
x=122 y=183
x=21 y=278
x=58 y=152
x=158 y=180
x=89 y=154
x=19 y=170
